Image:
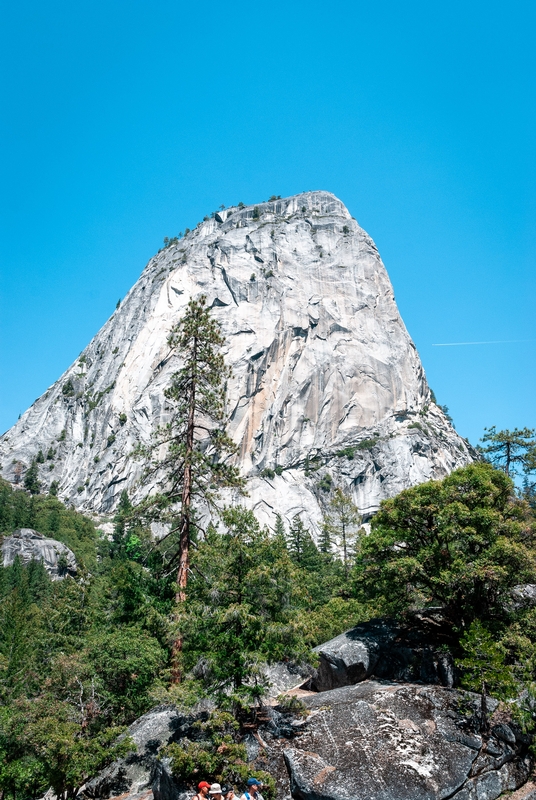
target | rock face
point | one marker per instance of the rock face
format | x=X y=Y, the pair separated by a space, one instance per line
x=372 y=741
x=325 y=376
x=399 y=742
x=385 y=649
x=140 y=771
x=29 y=545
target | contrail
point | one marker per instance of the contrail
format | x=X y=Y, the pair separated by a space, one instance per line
x=500 y=341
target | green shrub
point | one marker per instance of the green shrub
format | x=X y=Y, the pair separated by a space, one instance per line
x=219 y=756
x=268 y=473
x=122 y=418
x=68 y=388
x=347 y=452
x=93 y=402
x=292 y=704
x=367 y=444
x=326 y=482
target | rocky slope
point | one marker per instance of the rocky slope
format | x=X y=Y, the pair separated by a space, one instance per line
x=371 y=741
x=326 y=380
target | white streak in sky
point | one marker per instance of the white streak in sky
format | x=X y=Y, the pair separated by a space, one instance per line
x=502 y=341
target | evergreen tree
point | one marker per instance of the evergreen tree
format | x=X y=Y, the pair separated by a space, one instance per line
x=31 y=479
x=510 y=450
x=279 y=529
x=484 y=668
x=301 y=546
x=243 y=608
x=462 y=542
x=325 y=544
x=194 y=440
x=341 y=525
x=121 y=521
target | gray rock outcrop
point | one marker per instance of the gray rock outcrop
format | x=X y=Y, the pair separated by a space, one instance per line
x=386 y=649
x=141 y=770
x=372 y=741
x=399 y=742
x=326 y=380
x=29 y=545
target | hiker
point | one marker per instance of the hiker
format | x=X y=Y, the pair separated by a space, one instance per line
x=215 y=791
x=228 y=792
x=202 y=791
x=252 y=792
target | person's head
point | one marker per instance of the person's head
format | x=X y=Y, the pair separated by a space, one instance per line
x=203 y=788
x=214 y=791
x=253 y=785
x=227 y=791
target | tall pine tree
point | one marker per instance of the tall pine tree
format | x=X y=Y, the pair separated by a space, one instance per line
x=341 y=525
x=194 y=443
x=510 y=450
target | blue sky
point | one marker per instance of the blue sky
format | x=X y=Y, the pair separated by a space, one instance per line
x=123 y=123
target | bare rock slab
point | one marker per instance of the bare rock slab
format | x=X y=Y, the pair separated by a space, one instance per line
x=378 y=741
x=325 y=378
x=29 y=545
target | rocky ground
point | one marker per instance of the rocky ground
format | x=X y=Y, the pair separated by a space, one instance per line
x=377 y=740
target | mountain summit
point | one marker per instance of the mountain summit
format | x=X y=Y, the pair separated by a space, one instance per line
x=327 y=388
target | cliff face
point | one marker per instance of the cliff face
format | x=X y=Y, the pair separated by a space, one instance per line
x=327 y=384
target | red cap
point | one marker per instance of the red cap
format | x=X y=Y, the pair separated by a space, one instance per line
x=203 y=785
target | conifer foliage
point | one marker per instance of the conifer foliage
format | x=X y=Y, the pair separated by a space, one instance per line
x=341 y=526
x=195 y=444
x=194 y=440
x=510 y=451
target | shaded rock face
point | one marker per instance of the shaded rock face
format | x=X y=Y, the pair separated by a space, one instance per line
x=29 y=545
x=325 y=376
x=385 y=649
x=390 y=742
x=142 y=771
